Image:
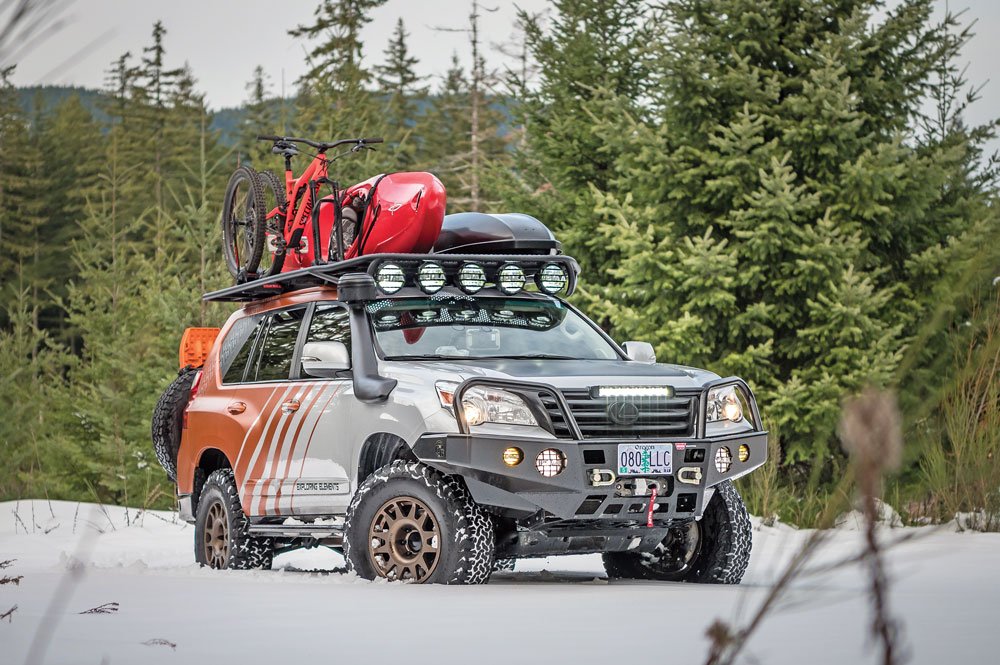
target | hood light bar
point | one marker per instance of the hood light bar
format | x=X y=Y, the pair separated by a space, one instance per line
x=635 y=391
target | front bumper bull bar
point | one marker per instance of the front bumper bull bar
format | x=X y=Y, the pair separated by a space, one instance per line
x=576 y=497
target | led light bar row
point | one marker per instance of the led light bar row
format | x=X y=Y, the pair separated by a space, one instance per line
x=471 y=277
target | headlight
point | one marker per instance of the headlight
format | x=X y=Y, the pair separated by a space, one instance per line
x=482 y=404
x=724 y=404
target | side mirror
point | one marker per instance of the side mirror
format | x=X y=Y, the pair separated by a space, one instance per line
x=324 y=360
x=641 y=352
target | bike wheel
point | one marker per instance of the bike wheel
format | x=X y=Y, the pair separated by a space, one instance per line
x=273 y=257
x=243 y=217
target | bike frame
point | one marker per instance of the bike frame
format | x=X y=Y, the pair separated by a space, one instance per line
x=301 y=199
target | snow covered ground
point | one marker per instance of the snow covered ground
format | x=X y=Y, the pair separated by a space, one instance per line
x=945 y=590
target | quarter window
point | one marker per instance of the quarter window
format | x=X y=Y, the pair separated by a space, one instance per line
x=238 y=346
x=276 y=351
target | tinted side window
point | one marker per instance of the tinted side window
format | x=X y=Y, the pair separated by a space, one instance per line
x=237 y=346
x=275 y=358
x=330 y=323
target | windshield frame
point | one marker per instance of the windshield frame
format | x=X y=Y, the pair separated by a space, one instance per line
x=619 y=352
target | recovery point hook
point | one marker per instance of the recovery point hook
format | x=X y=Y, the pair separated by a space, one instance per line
x=602 y=477
x=690 y=475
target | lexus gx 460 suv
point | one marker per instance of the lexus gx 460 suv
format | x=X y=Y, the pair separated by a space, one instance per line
x=435 y=417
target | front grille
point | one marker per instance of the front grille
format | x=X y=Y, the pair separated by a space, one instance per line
x=658 y=417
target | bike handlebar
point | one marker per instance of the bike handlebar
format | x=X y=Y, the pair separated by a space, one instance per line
x=319 y=145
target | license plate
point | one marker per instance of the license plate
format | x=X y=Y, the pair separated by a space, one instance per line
x=642 y=459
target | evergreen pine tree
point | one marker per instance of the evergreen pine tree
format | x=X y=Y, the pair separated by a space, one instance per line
x=335 y=100
x=399 y=85
x=259 y=118
x=754 y=202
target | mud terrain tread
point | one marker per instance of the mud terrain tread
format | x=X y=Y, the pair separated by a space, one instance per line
x=731 y=555
x=168 y=419
x=245 y=551
x=470 y=526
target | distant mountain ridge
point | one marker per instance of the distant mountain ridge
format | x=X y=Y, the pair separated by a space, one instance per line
x=46 y=97
x=226 y=120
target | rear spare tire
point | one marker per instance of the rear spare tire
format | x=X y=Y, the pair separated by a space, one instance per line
x=168 y=417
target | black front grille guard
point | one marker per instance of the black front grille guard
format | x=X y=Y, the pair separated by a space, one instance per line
x=521 y=388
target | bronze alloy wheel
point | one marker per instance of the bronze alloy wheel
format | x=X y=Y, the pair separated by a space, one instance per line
x=216 y=542
x=404 y=540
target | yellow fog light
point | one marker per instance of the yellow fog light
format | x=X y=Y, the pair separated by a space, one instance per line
x=512 y=456
x=743 y=452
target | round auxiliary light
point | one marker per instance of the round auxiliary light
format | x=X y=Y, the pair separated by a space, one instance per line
x=510 y=279
x=551 y=278
x=550 y=462
x=471 y=277
x=430 y=277
x=743 y=452
x=513 y=456
x=389 y=277
x=723 y=459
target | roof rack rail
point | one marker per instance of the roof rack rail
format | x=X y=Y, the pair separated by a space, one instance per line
x=330 y=273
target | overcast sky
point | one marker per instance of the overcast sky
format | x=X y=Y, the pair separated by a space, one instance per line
x=223 y=40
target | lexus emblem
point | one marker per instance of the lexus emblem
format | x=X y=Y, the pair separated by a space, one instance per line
x=623 y=413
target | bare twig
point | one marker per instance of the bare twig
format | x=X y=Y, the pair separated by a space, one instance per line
x=8 y=614
x=160 y=642
x=7 y=579
x=105 y=608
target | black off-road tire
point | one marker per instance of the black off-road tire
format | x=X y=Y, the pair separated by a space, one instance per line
x=168 y=419
x=721 y=555
x=504 y=565
x=272 y=182
x=243 y=261
x=246 y=552
x=466 y=542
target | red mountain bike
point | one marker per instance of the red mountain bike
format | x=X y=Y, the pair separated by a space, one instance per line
x=269 y=227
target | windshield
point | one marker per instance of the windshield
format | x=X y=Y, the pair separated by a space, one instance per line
x=465 y=327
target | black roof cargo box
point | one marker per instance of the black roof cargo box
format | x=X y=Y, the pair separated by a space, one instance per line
x=482 y=233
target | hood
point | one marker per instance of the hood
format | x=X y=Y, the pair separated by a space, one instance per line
x=564 y=374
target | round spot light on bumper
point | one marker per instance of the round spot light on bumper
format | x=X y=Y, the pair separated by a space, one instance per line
x=550 y=462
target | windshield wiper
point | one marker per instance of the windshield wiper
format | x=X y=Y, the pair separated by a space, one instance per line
x=432 y=356
x=546 y=356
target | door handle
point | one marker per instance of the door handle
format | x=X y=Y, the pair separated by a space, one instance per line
x=237 y=408
x=291 y=406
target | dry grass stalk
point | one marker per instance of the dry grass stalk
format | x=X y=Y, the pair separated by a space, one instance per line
x=7 y=579
x=871 y=433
